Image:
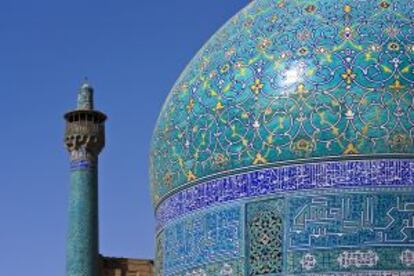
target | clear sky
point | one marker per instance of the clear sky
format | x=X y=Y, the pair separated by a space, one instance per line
x=132 y=51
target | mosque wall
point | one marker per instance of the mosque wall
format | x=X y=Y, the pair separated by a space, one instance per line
x=362 y=223
x=126 y=267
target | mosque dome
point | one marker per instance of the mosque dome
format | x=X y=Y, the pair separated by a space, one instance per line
x=290 y=96
x=290 y=81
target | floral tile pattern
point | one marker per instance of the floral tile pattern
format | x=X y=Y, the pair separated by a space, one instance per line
x=287 y=80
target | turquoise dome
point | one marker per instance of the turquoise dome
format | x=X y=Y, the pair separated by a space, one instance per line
x=286 y=146
x=290 y=82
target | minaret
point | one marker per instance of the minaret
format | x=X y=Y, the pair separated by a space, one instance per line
x=84 y=139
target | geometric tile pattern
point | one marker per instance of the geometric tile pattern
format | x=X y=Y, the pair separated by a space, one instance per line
x=349 y=231
x=290 y=80
x=214 y=236
x=264 y=239
x=229 y=268
x=347 y=220
x=302 y=233
x=338 y=174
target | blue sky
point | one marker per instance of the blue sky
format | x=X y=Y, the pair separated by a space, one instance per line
x=132 y=51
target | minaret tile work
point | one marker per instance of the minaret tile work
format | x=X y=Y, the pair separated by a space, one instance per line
x=84 y=139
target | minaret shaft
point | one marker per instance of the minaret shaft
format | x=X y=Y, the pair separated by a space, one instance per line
x=83 y=235
x=84 y=139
